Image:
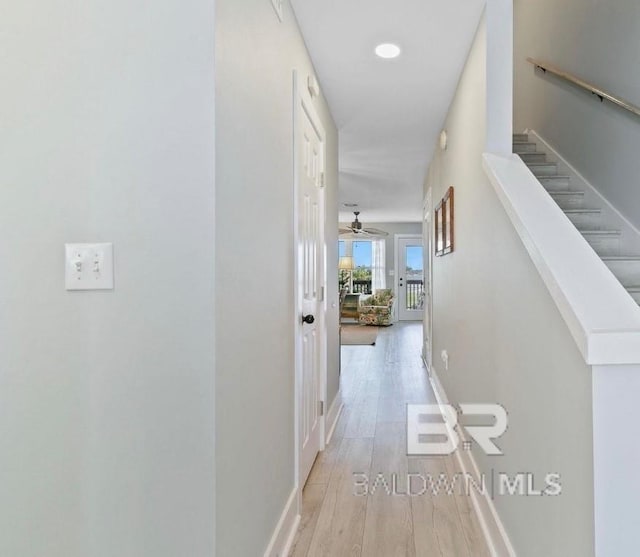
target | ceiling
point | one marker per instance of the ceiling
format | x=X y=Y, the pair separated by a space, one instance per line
x=389 y=112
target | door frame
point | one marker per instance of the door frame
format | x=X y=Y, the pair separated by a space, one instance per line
x=302 y=101
x=427 y=239
x=396 y=266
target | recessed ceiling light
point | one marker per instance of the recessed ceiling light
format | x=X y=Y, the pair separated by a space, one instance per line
x=350 y=204
x=388 y=51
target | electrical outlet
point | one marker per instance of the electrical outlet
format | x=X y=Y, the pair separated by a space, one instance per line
x=278 y=6
x=444 y=355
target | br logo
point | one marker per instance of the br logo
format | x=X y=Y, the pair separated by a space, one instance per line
x=431 y=428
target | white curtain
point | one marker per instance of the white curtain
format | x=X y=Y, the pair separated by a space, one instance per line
x=378 y=271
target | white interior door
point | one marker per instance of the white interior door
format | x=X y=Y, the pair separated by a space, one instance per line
x=410 y=275
x=310 y=286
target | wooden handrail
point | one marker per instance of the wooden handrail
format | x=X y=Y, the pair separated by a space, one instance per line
x=600 y=93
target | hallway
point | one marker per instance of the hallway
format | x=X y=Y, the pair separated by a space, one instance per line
x=377 y=382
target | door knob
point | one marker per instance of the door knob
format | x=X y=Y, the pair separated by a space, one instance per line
x=308 y=319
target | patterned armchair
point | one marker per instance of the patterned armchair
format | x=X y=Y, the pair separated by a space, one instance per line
x=377 y=309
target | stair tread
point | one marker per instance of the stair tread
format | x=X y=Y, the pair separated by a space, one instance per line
x=555 y=177
x=541 y=163
x=569 y=192
x=634 y=289
x=621 y=258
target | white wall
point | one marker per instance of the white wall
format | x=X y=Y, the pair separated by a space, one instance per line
x=508 y=343
x=106 y=398
x=597 y=41
x=255 y=59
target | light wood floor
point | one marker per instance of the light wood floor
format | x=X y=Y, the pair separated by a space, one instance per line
x=377 y=382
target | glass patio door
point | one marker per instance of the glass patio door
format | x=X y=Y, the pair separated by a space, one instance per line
x=410 y=279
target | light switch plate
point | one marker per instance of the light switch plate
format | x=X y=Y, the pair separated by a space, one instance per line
x=89 y=266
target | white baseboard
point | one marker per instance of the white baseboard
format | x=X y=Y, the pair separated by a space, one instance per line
x=493 y=530
x=333 y=415
x=285 y=531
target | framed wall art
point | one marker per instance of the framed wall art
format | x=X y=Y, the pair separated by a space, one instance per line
x=444 y=225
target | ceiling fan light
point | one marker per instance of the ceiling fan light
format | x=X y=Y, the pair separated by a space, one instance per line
x=356 y=224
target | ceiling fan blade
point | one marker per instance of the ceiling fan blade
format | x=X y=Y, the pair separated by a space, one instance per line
x=345 y=231
x=375 y=232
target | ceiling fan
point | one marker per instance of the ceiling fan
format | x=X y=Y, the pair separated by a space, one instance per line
x=357 y=229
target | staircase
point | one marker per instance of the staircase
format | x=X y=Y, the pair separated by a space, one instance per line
x=596 y=227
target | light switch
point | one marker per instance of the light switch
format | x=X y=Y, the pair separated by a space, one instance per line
x=89 y=266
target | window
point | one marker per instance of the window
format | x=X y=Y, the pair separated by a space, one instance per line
x=362 y=274
x=415 y=263
x=362 y=261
